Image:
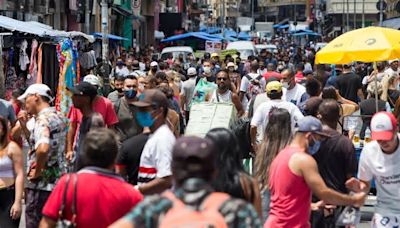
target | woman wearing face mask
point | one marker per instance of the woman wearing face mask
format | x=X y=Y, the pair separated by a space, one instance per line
x=11 y=178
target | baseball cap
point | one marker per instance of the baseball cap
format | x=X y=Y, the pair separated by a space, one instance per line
x=151 y=97
x=84 y=89
x=310 y=124
x=214 y=55
x=191 y=71
x=274 y=86
x=393 y=60
x=382 y=126
x=135 y=65
x=40 y=89
x=230 y=64
x=195 y=153
x=153 y=64
x=92 y=79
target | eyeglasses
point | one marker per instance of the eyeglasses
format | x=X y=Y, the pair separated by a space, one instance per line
x=220 y=79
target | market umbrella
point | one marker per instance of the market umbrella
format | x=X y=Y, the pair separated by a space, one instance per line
x=371 y=44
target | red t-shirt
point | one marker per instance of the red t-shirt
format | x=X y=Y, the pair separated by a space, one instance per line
x=101 y=199
x=101 y=105
x=270 y=74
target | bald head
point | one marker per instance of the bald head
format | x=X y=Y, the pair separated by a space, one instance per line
x=330 y=112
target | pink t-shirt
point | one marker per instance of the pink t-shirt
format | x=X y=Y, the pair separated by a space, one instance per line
x=290 y=194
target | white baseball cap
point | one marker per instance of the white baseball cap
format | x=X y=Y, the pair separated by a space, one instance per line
x=230 y=64
x=153 y=64
x=191 y=71
x=393 y=60
x=92 y=79
x=40 y=89
x=382 y=126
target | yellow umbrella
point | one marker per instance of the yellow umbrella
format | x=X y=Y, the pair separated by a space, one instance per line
x=369 y=44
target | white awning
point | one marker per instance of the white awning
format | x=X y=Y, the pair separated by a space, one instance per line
x=39 y=29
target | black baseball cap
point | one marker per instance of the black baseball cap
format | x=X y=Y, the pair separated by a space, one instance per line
x=84 y=89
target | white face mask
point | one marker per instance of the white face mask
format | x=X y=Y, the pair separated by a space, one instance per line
x=207 y=70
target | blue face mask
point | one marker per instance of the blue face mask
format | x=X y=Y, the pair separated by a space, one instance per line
x=144 y=119
x=130 y=94
x=314 y=148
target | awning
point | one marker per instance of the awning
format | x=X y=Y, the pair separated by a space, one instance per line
x=199 y=35
x=159 y=34
x=109 y=36
x=38 y=29
x=280 y=26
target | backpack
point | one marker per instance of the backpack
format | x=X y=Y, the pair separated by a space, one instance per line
x=241 y=129
x=255 y=87
x=181 y=216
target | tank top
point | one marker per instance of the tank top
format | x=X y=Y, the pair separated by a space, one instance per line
x=6 y=167
x=290 y=194
x=224 y=98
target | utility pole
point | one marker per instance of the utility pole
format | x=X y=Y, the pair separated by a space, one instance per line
x=87 y=16
x=347 y=17
x=363 y=13
x=104 y=30
x=355 y=16
x=381 y=13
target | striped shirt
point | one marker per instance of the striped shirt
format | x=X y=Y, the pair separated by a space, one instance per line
x=155 y=161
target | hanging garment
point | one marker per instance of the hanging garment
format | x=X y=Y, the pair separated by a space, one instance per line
x=32 y=75
x=23 y=57
x=39 y=65
x=68 y=76
x=11 y=76
x=50 y=66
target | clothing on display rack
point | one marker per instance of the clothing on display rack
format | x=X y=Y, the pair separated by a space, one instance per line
x=23 y=57
x=50 y=69
x=11 y=76
x=69 y=74
x=87 y=60
x=31 y=77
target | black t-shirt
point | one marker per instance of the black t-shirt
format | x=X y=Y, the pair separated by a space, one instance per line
x=336 y=160
x=348 y=84
x=129 y=155
x=393 y=95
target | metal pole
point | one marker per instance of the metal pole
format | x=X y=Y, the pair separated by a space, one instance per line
x=347 y=16
x=343 y=18
x=223 y=17
x=381 y=13
x=87 y=17
x=104 y=30
x=252 y=14
x=376 y=86
x=355 y=16
x=363 y=13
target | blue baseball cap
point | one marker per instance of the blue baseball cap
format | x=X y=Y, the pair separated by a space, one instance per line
x=310 y=124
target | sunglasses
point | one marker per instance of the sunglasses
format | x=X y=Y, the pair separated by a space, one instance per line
x=220 y=79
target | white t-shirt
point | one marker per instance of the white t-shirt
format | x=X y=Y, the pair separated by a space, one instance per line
x=155 y=161
x=295 y=95
x=122 y=72
x=244 y=86
x=260 y=117
x=390 y=72
x=384 y=168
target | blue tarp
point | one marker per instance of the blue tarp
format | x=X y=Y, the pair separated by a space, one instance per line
x=280 y=26
x=210 y=30
x=200 y=35
x=110 y=36
x=306 y=34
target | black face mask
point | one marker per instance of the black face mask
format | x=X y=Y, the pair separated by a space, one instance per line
x=120 y=90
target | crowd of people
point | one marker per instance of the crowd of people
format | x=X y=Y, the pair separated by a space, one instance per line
x=122 y=159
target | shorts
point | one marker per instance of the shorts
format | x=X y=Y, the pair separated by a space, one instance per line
x=385 y=221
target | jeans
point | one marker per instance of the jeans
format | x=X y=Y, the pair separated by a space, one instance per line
x=7 y=197
x=35 y=201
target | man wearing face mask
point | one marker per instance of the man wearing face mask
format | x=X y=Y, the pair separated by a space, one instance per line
x=127 y=125
x=295 y=93
x=118 y=93
x=207 y=71
x=336 y=161
x=155 y=161
x=294 y=177
x=153 y=69
x=120 y=68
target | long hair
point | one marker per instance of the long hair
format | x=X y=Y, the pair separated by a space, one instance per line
x=4 y=137
x=278 y=134
x=228 y=159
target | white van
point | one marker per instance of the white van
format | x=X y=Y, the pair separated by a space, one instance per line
x=246 y=48
x=176 y=52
